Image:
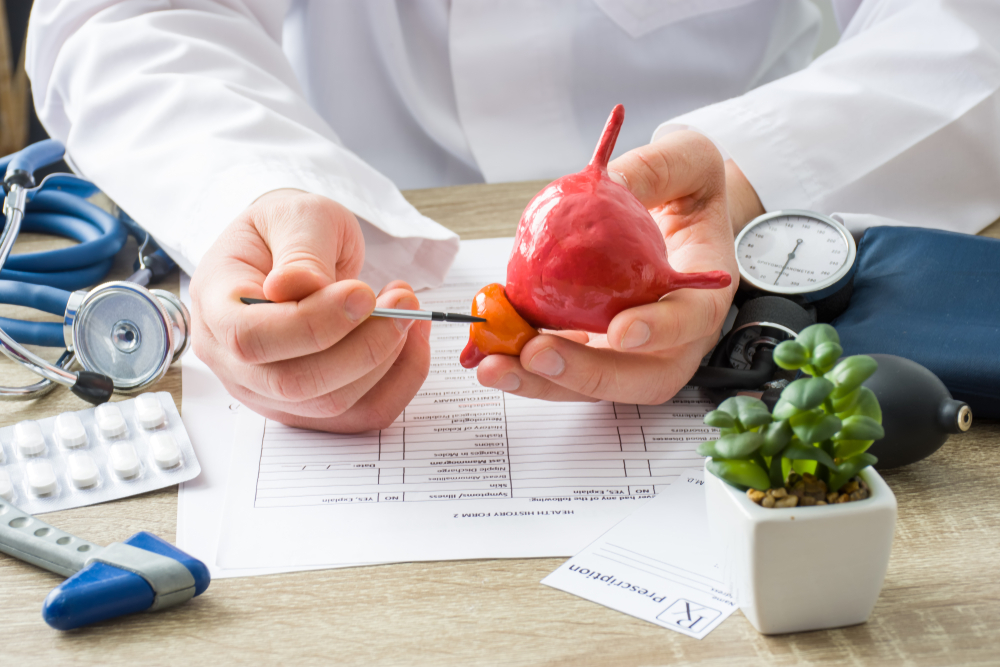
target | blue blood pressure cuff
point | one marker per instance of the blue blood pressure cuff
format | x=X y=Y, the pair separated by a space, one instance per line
x=933 y=297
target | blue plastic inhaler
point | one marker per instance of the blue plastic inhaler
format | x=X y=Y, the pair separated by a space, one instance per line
x=143 y=573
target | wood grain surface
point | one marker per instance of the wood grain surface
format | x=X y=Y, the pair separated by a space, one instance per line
x=940 y=604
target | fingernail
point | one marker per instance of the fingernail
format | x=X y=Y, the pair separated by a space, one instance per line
x=509 y=382
x=359 y=304
x=547 y=362
x=407 y=303
x=618 y=178
x=637 y=334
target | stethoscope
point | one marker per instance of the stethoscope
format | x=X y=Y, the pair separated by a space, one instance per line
x=123 y=335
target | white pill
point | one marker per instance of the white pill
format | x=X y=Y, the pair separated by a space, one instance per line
x=124 y=460
x=28 y=438
x=69 y=430
x=149 y=411
x=41 y=477
x=166 y=453
x=83 y=470
x=110 y=420
x=6 y=488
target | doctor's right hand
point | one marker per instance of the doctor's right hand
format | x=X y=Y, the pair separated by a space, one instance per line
x=315 y=359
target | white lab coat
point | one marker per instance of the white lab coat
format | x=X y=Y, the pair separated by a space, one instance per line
x=185 y=111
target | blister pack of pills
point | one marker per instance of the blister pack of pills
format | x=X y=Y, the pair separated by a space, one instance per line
x=80 y=458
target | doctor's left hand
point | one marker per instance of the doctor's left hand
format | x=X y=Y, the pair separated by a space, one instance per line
x=651 y=351
x=314 y=360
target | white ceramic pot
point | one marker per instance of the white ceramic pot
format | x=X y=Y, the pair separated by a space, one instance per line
x=803 y=568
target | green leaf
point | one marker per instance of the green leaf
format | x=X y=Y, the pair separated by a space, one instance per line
x=812 y=336
x=791 y=355
x=801 y=466
x=707 y=448
x=851 y=372
x=844 y=404
x=812 y=427
x=800 y=452
x=739 y=445
x=860 y=427
x=776 y=436
x=784 y=410
x=741 y=474
x=807 y=393
x=825 y=356
x=849 y=468
x=774 y=472
x=720 y=419
x=862 y=401
x=845 y=449
x=749 y=411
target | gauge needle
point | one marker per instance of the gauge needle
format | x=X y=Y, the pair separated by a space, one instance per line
x=791 y=256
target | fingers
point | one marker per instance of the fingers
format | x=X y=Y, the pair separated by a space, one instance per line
x=504 y=372
x=679 y=318
x=682 y=167
x=271 y=332
x=313 y=242
x=352 y=357
x=379 y=406
x=332 y=404
x=554 y=368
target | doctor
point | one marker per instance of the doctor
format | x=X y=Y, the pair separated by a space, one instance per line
x=263 y=144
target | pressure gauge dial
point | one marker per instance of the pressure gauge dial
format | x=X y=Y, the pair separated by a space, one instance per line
x=795 y=252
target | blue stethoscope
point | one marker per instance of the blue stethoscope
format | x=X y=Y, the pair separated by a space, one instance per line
x=123 y=335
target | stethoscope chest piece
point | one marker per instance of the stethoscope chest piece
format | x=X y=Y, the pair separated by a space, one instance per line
x=126 y=332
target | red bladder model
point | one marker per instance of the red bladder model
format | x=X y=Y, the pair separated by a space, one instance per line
x=585 y=250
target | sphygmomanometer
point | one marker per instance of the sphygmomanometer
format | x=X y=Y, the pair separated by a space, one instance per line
x=796 y=269
x=123 y=335
x=916 y=299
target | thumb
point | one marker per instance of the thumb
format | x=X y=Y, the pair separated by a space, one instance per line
x=312 y=240
x=680 y=165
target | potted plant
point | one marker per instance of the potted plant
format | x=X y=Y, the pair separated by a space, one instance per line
x=805 y=524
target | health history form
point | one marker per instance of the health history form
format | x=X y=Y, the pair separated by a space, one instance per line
x=466 y=442
x=465 y=472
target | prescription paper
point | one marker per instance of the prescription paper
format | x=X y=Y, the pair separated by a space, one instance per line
x=465 y=472
x=659 y=564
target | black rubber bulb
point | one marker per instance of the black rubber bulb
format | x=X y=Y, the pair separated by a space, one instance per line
x=918 y=412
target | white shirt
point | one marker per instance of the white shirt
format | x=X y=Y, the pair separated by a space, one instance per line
x=185 y=111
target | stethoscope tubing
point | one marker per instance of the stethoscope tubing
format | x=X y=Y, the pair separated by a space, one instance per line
x=40 y=297
x=43 y=280
x=98 y=234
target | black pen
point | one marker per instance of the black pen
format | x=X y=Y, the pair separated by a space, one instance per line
x=397 y=313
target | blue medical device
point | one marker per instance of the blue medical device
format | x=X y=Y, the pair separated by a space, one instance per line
x=143 y=573
x=123 y=335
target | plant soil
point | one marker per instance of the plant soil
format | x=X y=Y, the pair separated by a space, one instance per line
x=805 y=490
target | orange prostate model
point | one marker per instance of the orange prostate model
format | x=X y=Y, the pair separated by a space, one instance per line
x=504 y=332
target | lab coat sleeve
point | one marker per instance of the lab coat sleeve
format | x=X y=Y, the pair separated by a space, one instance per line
x=899 y=123
x=186 y=111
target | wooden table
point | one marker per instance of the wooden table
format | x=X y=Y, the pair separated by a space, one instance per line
x=940 y=603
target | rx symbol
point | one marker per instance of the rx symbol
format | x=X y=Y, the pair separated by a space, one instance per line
x=689 y=615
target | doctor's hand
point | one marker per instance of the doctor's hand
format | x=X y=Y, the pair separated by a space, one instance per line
x=650 y=351
x=314 y=360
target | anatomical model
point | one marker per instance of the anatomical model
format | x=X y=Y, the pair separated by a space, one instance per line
x=585 y=250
